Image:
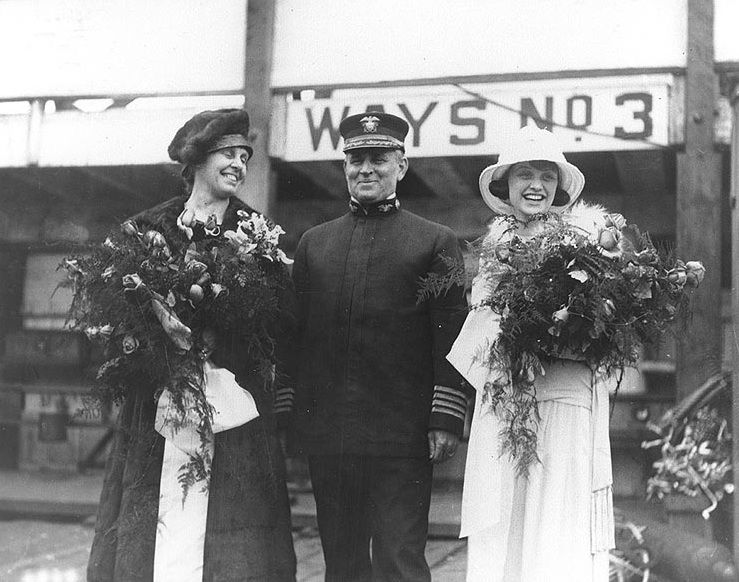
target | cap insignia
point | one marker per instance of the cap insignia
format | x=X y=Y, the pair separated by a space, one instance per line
x=369 y=123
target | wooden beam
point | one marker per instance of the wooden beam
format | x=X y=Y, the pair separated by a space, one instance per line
x=735 y=299
x=441 y=177
x=699 y=204
x=260 y=184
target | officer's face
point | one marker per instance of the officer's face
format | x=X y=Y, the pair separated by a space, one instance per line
x=372 y=174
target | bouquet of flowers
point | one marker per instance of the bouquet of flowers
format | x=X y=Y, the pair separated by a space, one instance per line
x=589 y=290
x=695 y=447
x=156 y=309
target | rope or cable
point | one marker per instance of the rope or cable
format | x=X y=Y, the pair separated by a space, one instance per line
x=554 y=123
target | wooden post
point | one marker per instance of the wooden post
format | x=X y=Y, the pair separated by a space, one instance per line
x=734 y=96
x=260 y=21
x=698 y=204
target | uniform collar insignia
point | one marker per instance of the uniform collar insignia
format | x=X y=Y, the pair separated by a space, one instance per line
x=376 y=209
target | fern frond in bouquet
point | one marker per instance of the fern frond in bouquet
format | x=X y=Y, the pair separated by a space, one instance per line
x=595 y=291
x=156 y=305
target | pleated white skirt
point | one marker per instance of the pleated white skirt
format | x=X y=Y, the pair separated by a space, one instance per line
x=544 y=527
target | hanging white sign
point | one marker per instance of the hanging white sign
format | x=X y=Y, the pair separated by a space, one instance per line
x=595 y=114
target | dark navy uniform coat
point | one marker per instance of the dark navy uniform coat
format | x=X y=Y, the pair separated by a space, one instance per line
x=372 y=376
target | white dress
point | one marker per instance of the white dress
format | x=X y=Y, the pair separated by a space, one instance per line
x=557 y=524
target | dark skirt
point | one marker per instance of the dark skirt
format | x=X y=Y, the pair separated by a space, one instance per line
x=248 y=533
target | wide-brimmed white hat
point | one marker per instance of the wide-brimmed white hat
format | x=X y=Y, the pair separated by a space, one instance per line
x=529 y=144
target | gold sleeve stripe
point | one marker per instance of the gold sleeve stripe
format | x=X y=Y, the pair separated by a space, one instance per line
x=437 y=409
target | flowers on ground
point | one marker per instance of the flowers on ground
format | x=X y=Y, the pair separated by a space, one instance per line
x=695 y=444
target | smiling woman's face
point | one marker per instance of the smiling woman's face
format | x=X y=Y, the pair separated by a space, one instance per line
x=372 y=174
x=223 y=171
x=531 y=187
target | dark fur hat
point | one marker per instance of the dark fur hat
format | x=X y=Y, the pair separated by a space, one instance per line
x=194 y=140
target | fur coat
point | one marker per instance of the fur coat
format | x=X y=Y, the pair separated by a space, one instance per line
x=248 y=532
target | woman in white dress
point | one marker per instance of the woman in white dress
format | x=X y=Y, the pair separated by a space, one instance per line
x=556 y=523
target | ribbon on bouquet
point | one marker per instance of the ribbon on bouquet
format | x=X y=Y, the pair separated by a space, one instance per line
x=180 y=538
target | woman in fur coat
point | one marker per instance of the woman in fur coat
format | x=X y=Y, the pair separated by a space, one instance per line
x=238 y=527
x=556 y=522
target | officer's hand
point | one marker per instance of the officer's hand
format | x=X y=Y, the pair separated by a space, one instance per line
x=442 y=445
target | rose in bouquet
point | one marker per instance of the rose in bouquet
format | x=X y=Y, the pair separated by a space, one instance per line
x=156 y=306
x=596 y=295
x=584 y=286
